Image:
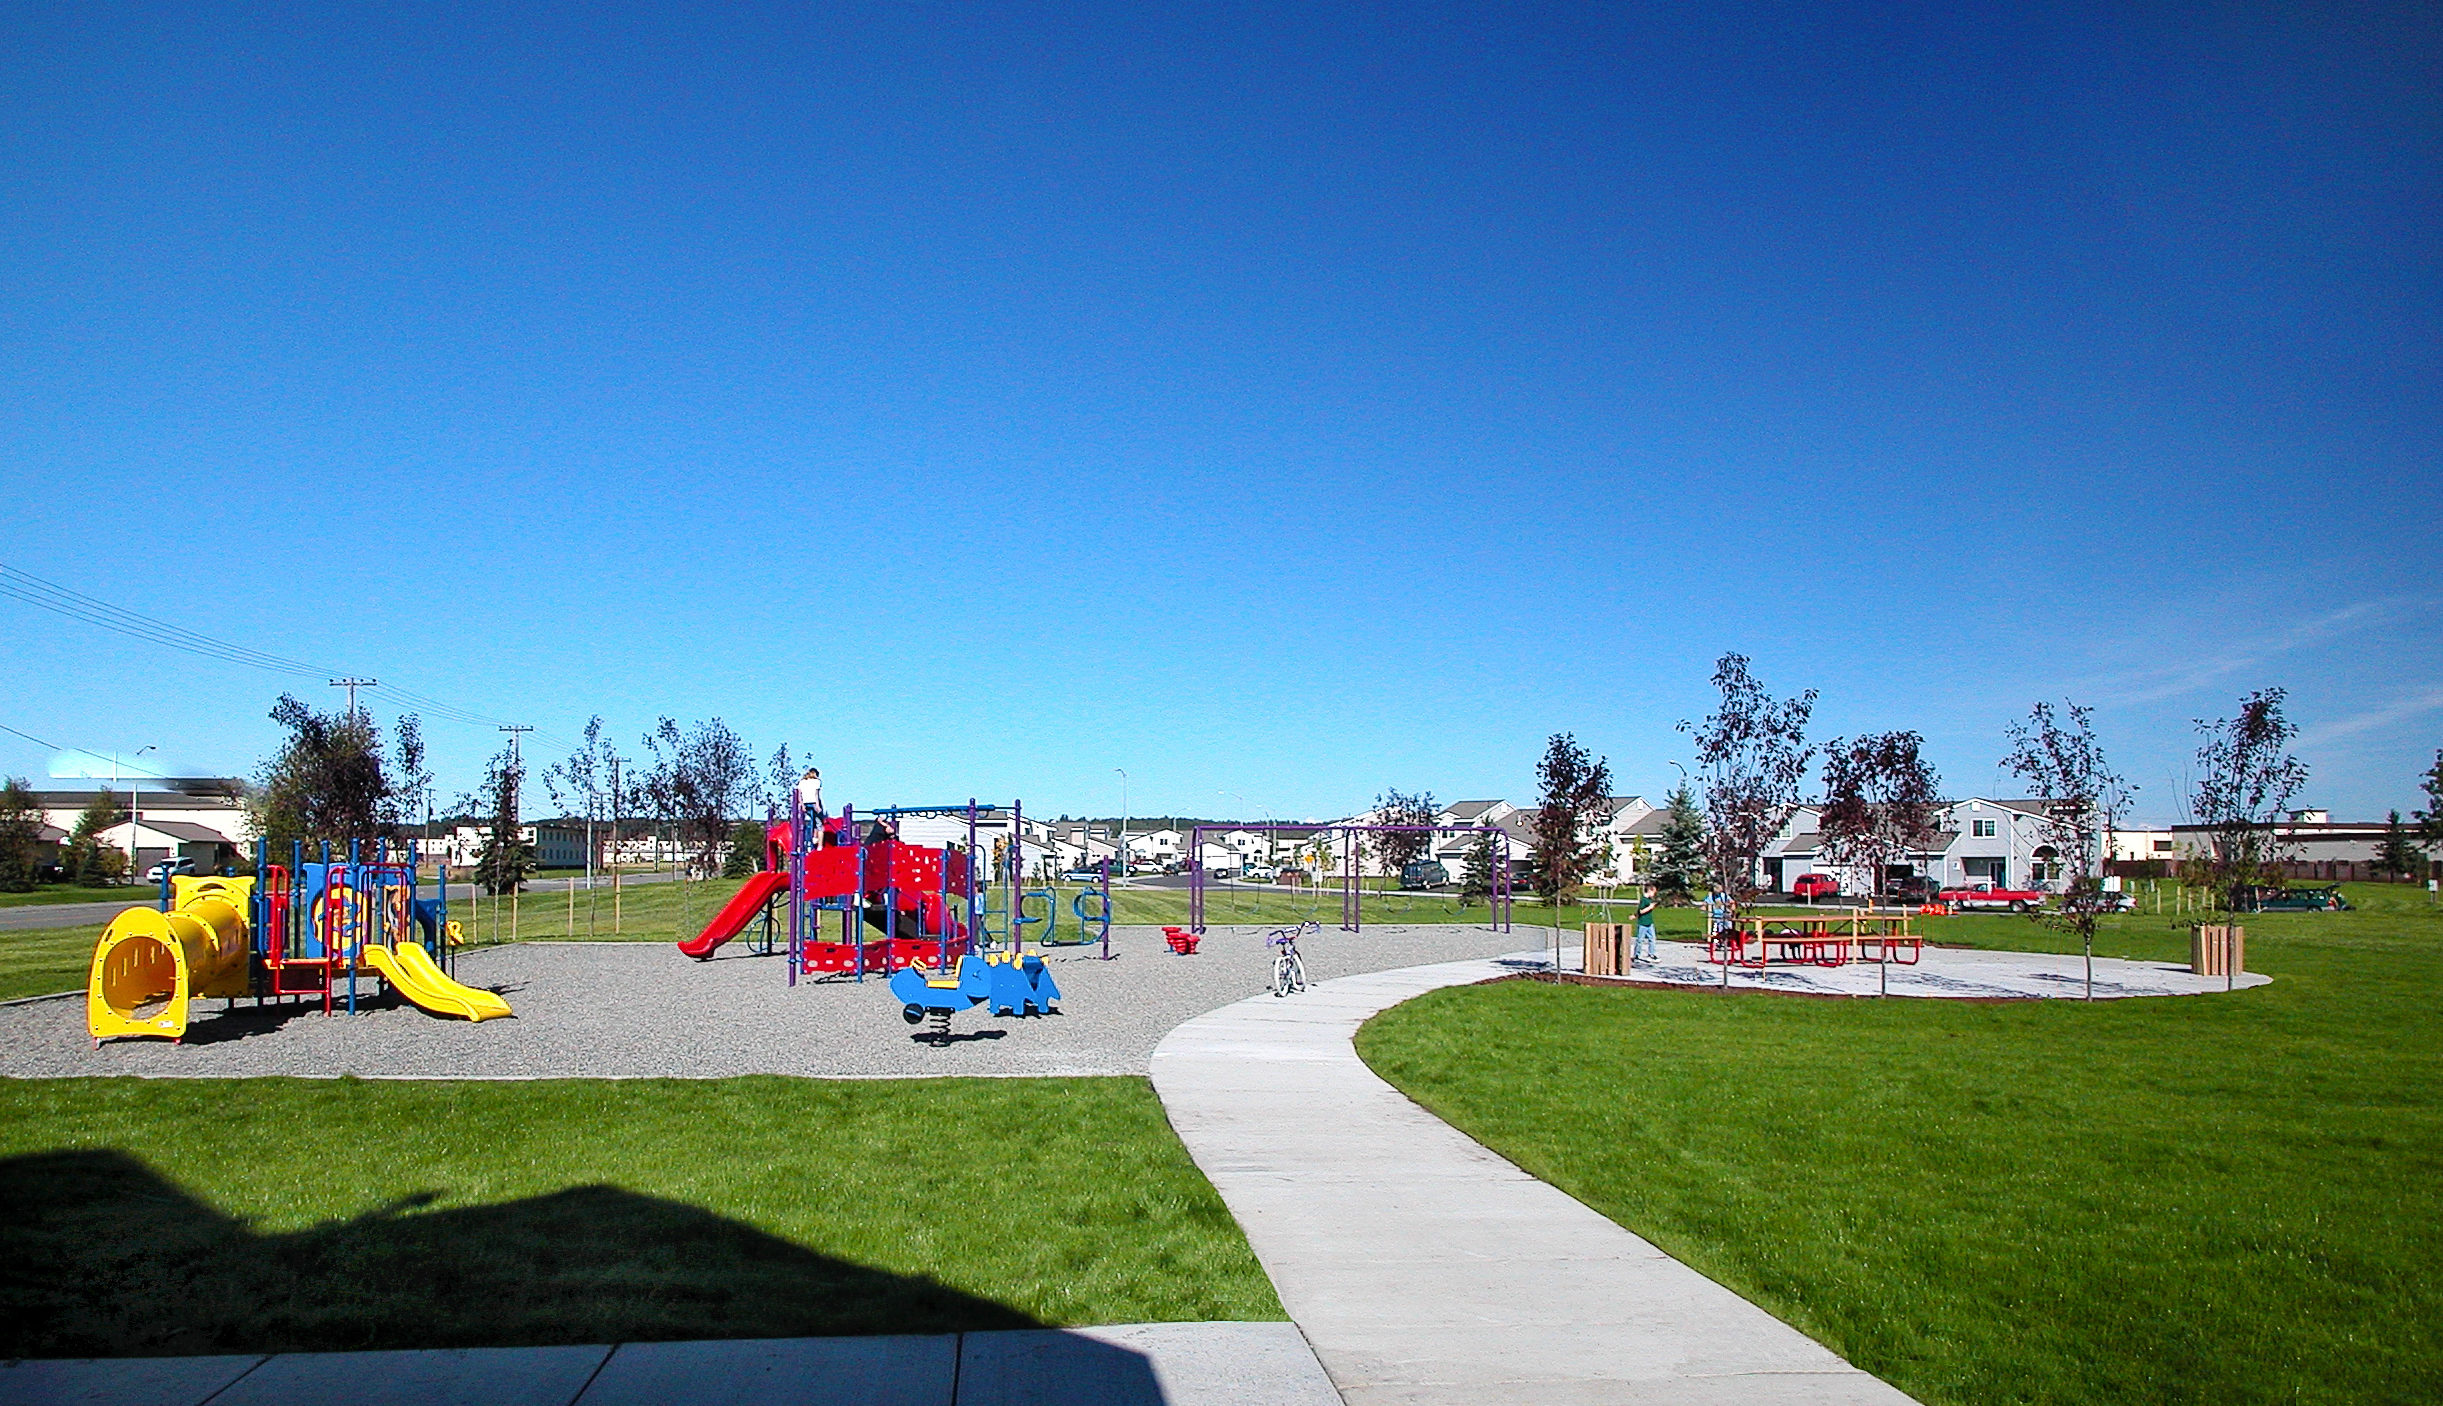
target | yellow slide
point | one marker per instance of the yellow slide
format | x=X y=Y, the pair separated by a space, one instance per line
x=411 y=970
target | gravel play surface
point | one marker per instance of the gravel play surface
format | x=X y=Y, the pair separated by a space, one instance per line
x=638 y=1009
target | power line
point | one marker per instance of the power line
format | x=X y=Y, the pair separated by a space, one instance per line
x=120 y=762
x=76 y=605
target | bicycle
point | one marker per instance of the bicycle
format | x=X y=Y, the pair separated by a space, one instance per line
x=1288 y=969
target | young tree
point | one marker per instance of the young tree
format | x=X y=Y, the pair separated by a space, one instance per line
x=1575 y=784
x=580 y=783
x=1679 y=868
x=2246 y=778
x=20 y=836
x=1880 y=805
x=1753 y=754
x=1396 y=850
x=779 y=785
x=1476 y=872
x=2060 y=760
x=1317 y=851
x=332 y=779
x=91 y=858
x=700 y=781
x=505 y=860
x=2398 y=855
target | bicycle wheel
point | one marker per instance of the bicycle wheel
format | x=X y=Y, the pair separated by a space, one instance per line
x=1282 y=966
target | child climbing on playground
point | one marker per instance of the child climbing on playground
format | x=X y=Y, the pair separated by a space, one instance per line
x=1642 y=950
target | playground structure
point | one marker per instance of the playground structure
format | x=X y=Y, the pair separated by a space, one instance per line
x=897 y=904
x=1352 y=895
x=295 y=931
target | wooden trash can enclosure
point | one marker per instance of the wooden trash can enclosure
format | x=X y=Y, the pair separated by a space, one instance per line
x=1607 y=948
x=2216 y=950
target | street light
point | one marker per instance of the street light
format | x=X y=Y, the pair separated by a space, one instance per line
x=135 y=800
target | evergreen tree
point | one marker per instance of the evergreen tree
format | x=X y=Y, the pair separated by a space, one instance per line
x=91 y=859
x=505 y=859
x=2430 y=820
x=1476 y=873
x=2398 y=855
x=1679 y=871
x=746 y=850
x=20 y=833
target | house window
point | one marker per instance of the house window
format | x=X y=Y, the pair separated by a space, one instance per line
x=1982 y=829
x=2163 y=846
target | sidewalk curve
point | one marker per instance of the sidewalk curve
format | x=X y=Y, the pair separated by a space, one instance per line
x=1425 y=1269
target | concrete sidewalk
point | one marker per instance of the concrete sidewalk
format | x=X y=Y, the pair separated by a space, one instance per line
x=1424 y=1268
x=1143 y=1364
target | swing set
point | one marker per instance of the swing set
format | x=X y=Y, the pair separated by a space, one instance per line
x=1352 y=894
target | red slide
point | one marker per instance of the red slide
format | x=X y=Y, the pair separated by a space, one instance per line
x=737 y=913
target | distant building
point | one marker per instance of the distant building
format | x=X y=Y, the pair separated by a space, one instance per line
x=201 y=818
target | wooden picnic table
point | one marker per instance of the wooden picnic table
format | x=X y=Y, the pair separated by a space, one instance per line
x=1819 y=939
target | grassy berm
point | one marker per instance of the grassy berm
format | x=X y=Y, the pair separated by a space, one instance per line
x=2228 y=1198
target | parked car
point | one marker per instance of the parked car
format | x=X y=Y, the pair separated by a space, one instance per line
x=168 y=867
x=1261 y=874
x=1815 y=887
x=1987 y=896
x=1082 y=876
x=1917 y=888
x=2289 y=900
x=1424 y=874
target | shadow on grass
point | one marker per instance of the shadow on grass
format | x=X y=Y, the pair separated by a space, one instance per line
x=101 y=1256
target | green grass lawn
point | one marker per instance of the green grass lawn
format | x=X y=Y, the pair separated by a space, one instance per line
x=77 y=893
x=41 y=961
x=179 y=1215
x=2215 y=1199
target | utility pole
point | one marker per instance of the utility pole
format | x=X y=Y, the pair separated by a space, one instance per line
x=352 y=685
x=1123 y=771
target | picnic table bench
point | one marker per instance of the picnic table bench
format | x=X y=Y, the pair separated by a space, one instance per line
x=1817 y=940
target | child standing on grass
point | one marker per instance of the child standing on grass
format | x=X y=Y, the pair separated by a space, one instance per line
x=1642 y=949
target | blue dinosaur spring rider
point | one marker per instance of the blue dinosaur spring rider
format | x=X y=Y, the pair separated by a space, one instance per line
x=1012 y=984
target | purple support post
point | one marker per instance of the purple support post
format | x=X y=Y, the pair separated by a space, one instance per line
x=1352 y=906
x=975 y=929
x=1015 y=867
x=1196 y=878
x=797 y=884
x=856 y=901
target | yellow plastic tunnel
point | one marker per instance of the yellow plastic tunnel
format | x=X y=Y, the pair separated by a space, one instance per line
x=149 y=964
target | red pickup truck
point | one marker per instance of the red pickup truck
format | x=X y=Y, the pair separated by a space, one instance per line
x=1987 y=896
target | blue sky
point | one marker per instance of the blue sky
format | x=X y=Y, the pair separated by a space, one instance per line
x=1277 y=404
